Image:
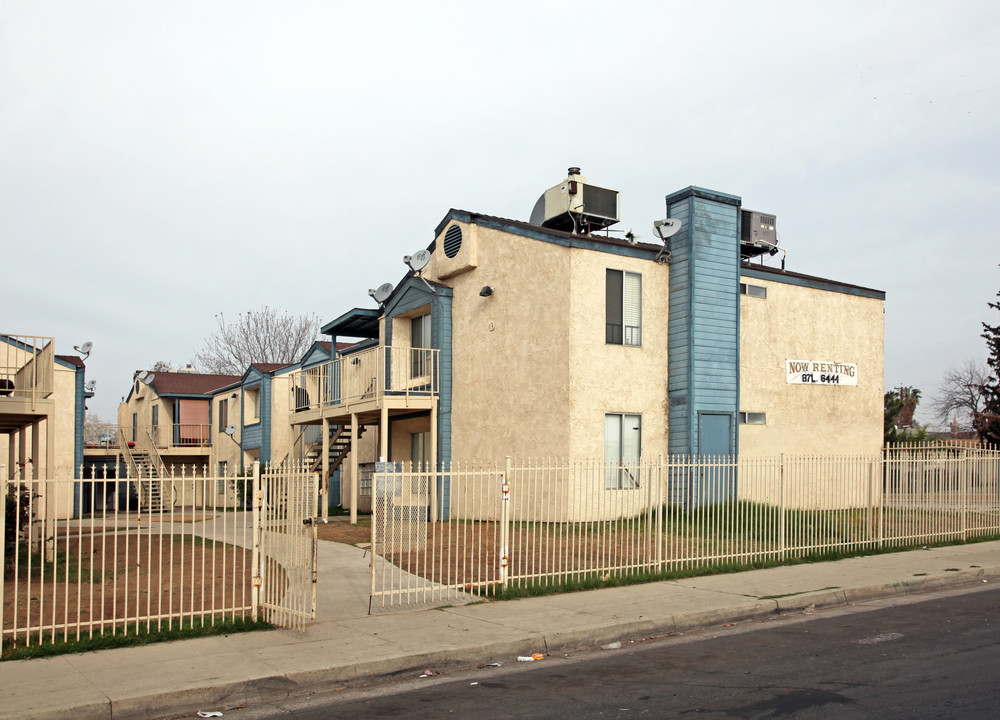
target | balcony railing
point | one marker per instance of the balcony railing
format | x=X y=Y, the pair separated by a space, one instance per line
x=164 y=437
x=100 y=435
x=367 y=375
x=26 y=367
x=181 y=435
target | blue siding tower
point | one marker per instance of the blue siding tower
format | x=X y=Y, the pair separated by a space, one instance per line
x=704 y=332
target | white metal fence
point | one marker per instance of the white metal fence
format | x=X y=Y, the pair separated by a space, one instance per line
x=547 y=522
x=86 y=557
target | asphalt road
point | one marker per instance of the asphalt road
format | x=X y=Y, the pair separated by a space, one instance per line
x=937 y=657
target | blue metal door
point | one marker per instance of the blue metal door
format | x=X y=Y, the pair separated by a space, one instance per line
x=716 y=481
x=715 y=434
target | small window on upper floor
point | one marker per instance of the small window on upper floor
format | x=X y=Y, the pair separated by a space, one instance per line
x=252 y=410
x=420 y=343
x=623 y=308
x=753 y=418
x=223 y=414
x=758 y=291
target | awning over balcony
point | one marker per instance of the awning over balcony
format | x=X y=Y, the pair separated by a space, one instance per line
x=357 y=323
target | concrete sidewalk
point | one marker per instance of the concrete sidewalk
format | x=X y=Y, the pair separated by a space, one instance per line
x=349 y=646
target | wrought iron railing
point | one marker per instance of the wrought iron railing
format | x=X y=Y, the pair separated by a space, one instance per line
x=367 y=375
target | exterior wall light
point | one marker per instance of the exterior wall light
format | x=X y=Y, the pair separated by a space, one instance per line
x=486 y=291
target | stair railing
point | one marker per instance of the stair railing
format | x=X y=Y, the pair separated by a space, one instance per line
x=161 y=468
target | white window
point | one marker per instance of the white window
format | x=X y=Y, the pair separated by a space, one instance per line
x=622 y=449
x=420 y=339
x=221 y=479
x=623 y=292
x=753 y=290
x=420 y=450
x=154 y=423
x=223 y=414
x=753 y=418
x=252 y=411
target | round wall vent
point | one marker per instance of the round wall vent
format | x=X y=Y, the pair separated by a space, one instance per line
x=453 y=241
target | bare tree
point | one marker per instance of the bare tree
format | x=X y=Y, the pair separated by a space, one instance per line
x=961 y=394
x=264 y=335
x=160 y=366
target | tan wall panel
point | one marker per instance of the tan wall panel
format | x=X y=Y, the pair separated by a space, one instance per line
x=510 y=351
x=616 y=378
x=797 y=323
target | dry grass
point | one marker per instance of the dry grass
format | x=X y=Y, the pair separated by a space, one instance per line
x=97 y=583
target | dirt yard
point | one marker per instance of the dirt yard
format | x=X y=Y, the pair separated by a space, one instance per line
x=102 y=581
x=339 y=529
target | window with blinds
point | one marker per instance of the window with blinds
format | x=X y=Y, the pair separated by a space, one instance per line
x=420 y=339
x=623 y=325
x=622 y=450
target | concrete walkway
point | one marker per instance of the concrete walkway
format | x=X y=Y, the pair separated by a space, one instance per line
x=349 y=646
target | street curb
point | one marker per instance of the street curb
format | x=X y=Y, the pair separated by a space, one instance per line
x=276 y=688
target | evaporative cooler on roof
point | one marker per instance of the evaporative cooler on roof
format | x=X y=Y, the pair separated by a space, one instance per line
x=576 y=206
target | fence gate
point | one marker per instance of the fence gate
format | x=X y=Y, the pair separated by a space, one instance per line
x=285 y=545
x=429 y=549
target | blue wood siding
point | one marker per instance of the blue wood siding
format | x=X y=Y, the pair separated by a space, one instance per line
x=704 y=314
x=441 y=334
x=265 y=419
x=251 y=437
x=414 y=294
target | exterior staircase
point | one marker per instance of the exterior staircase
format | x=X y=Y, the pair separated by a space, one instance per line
x=148 y=485
x=340 y=448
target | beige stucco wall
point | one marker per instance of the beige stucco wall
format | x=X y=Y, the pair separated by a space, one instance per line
x=510 y=351
x=65 y=417
x=282 y=435
x=140 y=401
x=798 y=323
x=532 y=374
x=223 y=448
x=616 y=378
x=61 y=407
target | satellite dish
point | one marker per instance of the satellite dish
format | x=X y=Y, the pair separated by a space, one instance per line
x=667 y=228
x=230 y=430
x=90 y=386
x=149 y=379
x=381 y=293
x=418 y=261
x=142 y=375
x=85 y=348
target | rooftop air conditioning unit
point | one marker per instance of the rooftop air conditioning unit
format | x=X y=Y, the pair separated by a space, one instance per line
x=576 y=206
x=758 y=233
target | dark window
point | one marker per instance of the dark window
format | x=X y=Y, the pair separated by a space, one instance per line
x=623 y=309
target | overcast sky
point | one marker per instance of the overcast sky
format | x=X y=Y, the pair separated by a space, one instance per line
x=161 y=163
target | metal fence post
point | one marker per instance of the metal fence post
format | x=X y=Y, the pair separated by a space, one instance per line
x=315 y=544
x=505 y=523
x=783 y=510
x=660 y=509
x=255 y=558
x=3 y=541
x=966 y=474
x=884 y=469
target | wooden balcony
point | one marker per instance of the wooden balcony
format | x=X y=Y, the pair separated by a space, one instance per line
x=169 y=439
x=365 y=383
x=27 y=379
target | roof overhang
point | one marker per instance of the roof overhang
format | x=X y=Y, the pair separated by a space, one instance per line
x=357 y=323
